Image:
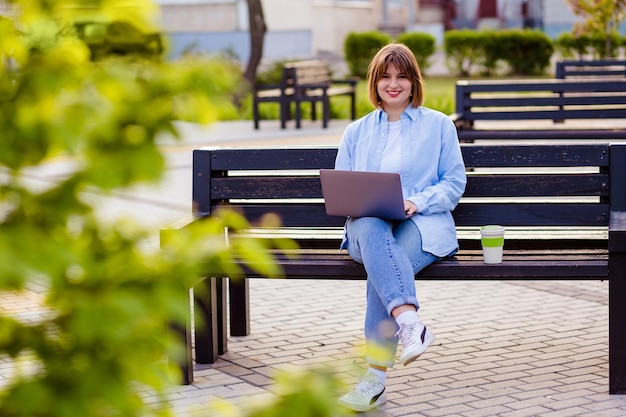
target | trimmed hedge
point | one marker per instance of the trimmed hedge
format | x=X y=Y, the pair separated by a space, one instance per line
x=526 y=52
x=513 y=51
x=580 y=46
x=359 y=48
x=464 y=49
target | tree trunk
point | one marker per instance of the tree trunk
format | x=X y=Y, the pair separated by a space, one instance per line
x=257 y=35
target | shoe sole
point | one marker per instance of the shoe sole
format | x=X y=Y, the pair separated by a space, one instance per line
x=427 y=342
x=358 y=409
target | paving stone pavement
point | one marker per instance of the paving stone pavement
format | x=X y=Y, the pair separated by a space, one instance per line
x=509 y=349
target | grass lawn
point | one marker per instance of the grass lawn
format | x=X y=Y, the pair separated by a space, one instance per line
x=439 y=93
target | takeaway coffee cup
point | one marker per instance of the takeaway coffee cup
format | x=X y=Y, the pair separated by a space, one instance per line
x=492 y=240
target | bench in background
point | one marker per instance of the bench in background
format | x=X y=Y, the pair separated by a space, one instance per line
x=282 y=93
x=564 y=207
x=304 y=82
x=540 y=100
x=606 y=68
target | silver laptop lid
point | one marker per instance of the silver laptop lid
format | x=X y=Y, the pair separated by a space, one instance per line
x=362 y=194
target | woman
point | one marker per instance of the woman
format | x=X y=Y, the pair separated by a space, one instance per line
x=422 y=146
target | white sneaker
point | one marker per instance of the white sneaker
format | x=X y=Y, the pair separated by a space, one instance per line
x=415 y=339
x=369 y=393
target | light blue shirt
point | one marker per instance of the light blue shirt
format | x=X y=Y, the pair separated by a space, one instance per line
x=432 y=170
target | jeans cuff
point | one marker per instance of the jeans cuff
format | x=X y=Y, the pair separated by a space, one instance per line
x=399 y=301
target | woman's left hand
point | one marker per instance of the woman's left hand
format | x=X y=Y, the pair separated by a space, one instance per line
x=409 y=208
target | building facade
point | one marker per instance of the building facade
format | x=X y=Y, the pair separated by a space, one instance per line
x=317 y=28
x=305 y=28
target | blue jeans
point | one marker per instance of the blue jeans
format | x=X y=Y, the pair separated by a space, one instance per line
x=391 y=252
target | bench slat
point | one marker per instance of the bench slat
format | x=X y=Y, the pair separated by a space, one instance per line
x=473 y=155
x=467 y=214
x=551 y=134
x=554 y=100
x=545 y=114
x=522 y=85
x=270 y=158
x=464 y=265
x=485 y=185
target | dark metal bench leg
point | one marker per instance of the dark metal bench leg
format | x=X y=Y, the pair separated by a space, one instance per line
x=326 y=109
x=205 y=323
x=298 y=115
x=617 y=318
x=285 y=112
x=184 y=335
x=617 y=276
x=239 y=307
x=221 y=286
x=186 y=363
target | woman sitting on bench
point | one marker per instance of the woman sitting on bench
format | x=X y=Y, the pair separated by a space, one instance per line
x=420 y=144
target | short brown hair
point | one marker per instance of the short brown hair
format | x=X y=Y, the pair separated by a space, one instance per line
x=402 y=57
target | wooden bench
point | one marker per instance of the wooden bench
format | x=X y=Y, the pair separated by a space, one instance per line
x=304 y=82
x=540 y=100
x=564 y=207
x=606 y=68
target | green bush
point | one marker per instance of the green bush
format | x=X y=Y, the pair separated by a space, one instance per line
x=360 y=48
x=585 y=45
x=598 y=45
x=422 y=45
x=570 y=46
x=464 y=49
x=523 y=52
x=491 y=62
x=526 y=52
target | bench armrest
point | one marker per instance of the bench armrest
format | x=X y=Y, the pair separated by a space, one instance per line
x=617 y=231
x=261 y=87
x=181 y=223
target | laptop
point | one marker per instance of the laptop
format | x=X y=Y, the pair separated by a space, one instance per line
x=362 y=194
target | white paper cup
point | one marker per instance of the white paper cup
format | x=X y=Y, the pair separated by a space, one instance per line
x=492 y=241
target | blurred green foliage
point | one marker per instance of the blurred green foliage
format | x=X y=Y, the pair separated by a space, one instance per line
x=100 y=347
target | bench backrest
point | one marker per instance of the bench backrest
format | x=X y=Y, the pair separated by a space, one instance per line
x=611 y=68
x=513 y=185
x=540 y=99
x=309 y=73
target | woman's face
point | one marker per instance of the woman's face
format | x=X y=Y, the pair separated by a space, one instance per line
x=394 y=89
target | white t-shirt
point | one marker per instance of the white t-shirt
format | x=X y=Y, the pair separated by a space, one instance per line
x=391 y=161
